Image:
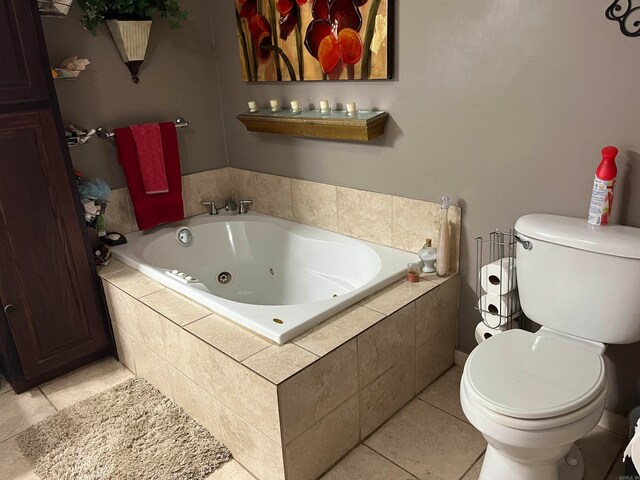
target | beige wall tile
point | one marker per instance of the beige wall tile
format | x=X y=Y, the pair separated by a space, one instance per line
x=397 y=295
x=208 y=185
x=272 y=195
x=385 y=396
x=228 y=337
x=365 y=215
x=85 y=382
x=437 y=309
x=338 y=329
x=133 y=282
x=191 y=356
x=279 y=362
x=315 y=204
x=18 y=412
x=124 y=347
x=241 y=184
x=153 y=369
x=247 y=394
x=326 y=442
x=113 y=267
x=143 y=324
x=198 y=404
x=174 y=306
x=416 y=220
x=435 y=356
x=119 y=216
x=428 y=443
x=388 y=343
x=255 y=451
x=366 y=464
x=313 y=393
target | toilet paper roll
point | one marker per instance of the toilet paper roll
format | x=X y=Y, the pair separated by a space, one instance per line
x=497 y=310
x=484 y=333
x=499 y=277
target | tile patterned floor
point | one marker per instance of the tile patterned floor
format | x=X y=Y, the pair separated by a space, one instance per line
x=429 y=439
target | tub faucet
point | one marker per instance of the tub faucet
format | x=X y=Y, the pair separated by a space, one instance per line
x=243 y=206
x=213 y=210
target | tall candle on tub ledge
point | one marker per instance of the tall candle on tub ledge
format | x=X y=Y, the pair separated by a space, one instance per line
x=324 y=106
x=253 y=106
x=275 y=105
x=351 y=109
x=295 y=105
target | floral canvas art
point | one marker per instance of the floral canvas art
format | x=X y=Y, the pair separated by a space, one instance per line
x=293 y=40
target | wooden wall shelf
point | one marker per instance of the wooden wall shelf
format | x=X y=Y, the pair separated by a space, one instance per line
x=334 y=126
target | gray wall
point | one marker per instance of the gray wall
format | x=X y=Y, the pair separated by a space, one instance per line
x=503 y=105
x=178 y=77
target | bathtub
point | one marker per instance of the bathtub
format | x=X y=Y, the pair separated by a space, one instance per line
x=272 y=276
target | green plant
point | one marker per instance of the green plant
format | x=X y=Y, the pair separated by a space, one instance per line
x=97 y=11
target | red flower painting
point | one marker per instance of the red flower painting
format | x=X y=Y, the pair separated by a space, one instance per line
x=313 y=39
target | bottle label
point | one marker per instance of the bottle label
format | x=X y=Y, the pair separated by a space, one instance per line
x=601 y=201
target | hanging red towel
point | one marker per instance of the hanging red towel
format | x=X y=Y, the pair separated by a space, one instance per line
x=152 y=209
x=150 y=157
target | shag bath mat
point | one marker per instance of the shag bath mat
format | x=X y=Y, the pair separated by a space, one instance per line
x=130 y=432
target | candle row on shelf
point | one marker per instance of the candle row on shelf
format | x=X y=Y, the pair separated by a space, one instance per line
x=325 y=109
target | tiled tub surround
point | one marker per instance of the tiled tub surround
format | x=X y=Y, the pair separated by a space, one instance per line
x=286 y=411
x=394 y=221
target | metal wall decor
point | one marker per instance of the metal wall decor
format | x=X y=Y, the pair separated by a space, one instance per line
x=627 y=14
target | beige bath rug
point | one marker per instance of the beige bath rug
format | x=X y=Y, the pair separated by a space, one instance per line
x=128 y=432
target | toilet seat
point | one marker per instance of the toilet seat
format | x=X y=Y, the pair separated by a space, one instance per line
x=531 y=376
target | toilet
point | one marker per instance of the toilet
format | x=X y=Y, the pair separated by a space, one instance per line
x=532 y=395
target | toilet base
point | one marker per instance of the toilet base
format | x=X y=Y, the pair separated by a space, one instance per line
x=498 y=467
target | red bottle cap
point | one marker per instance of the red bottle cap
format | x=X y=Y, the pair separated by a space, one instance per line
x=607 y=169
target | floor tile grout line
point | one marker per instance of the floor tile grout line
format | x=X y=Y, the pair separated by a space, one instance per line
x=613 y=463
x=443 y=411
x=12 y=436
x=391 y=461
x=48 y=399
x=473 y=464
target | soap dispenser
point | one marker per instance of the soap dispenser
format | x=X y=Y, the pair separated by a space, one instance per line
x=428 y=256
x=444 y=243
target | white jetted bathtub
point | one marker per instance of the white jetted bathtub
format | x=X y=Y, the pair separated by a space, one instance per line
x=272 y=276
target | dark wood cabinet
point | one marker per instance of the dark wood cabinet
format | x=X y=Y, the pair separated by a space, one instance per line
x=22 y=78
x=53 y=317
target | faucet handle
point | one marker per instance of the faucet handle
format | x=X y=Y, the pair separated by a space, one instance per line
x=213 y=210
x=243 y=206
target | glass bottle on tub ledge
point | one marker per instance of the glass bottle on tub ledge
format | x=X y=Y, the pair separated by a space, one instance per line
x=428 y=255
x=444 y=244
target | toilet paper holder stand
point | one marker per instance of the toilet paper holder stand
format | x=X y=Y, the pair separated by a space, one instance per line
x=499 y=246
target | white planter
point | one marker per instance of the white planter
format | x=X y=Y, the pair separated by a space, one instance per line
x=55 y=8
x=131 y=37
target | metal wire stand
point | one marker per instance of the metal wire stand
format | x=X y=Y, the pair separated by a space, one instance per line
x=500 y=247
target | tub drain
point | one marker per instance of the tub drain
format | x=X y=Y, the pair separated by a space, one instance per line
x=224 y=278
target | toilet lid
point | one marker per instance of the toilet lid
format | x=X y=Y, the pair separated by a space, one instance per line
x=525 y=375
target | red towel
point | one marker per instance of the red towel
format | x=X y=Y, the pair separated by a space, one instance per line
x=152 y=210
x=150 y=157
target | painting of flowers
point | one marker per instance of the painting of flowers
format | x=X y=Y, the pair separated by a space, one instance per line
x=295 y=40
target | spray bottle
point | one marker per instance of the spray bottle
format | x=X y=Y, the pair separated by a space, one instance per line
x=602 y=195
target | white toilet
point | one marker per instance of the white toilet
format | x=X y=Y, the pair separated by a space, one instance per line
x=532 y=395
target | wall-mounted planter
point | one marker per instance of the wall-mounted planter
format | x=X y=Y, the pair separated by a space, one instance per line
x=335 y=126
x=131 y=37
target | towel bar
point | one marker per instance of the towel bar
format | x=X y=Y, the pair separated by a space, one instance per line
x=103 y=133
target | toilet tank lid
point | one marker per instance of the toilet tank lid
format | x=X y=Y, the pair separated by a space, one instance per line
x=615 y=240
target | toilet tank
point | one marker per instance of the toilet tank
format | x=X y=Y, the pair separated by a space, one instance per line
x=579 y=279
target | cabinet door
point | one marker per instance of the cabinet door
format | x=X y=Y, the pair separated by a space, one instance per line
x=46 y=281
x=22 y=77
